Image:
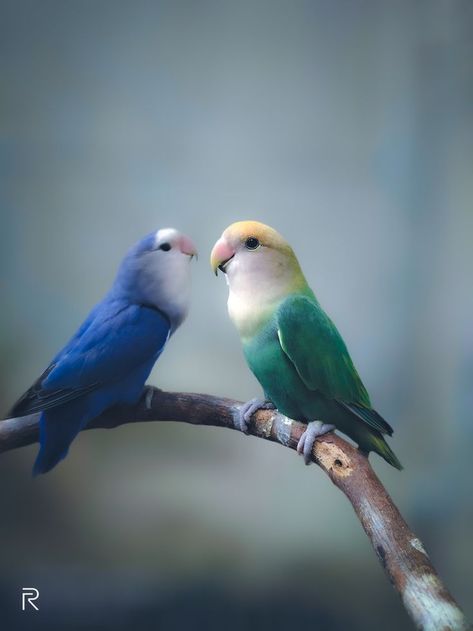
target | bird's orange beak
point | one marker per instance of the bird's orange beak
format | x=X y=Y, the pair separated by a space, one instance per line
x=186 y=246
x=221 y=253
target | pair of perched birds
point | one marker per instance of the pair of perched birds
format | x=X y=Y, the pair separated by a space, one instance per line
x=290 y=344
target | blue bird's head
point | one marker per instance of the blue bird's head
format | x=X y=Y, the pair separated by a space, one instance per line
x=156 y=272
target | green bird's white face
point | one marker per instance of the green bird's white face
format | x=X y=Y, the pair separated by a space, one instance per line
x=260 y=269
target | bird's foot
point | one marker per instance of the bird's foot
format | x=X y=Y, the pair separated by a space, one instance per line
x=148 y=394
x=306 y=441
x=246 y=411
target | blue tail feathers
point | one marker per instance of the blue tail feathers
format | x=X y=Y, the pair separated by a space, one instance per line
x=56 y=433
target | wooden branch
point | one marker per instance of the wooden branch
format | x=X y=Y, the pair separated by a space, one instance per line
x=401 y=553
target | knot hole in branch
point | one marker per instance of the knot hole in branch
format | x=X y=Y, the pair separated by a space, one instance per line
x=333 y=459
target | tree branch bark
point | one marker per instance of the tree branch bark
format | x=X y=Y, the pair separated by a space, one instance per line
x=400 y=552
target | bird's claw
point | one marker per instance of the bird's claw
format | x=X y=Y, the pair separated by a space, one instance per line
x=306 y=441
x=148 y=397
x=246 y=411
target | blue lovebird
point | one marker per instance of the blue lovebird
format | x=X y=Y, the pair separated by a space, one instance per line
x=110 y=357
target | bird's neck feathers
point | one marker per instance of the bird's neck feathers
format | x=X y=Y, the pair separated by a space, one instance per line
x=164 y=286
x=257 y=288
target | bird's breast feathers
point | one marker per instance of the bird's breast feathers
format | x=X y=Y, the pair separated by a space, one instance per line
x=245 y=316
x=251 y=307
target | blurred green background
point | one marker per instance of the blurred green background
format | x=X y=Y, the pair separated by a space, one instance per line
x=348 y=126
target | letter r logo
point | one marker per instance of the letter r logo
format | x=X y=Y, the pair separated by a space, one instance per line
x=29 y=595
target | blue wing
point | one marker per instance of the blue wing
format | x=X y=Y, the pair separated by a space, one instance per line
x=116 y=339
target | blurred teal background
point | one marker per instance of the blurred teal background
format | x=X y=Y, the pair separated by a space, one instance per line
x=348 y=126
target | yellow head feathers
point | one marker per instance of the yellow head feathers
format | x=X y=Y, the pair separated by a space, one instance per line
x=267 y=236
x=261 y=270
x=249 y=236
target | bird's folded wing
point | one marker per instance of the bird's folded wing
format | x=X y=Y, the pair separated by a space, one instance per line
x=112 y=345
x=315 y=347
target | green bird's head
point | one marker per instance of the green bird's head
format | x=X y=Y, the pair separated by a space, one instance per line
x=261 y=270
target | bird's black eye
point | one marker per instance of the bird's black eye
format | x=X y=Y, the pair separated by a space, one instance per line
x=251 y=243
x=165 y=246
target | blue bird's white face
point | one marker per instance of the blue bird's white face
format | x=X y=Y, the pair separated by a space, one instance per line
x=167 y=239
x=157 y=272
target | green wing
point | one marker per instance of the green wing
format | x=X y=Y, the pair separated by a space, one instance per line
x=315 y=347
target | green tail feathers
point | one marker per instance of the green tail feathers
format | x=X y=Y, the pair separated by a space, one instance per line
x=366 y=427
x=381 y=447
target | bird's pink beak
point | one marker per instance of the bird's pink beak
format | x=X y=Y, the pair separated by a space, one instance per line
x=186 y=246
x=222 y=252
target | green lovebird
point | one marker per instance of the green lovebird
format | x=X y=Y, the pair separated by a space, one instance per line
x=291 y=345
